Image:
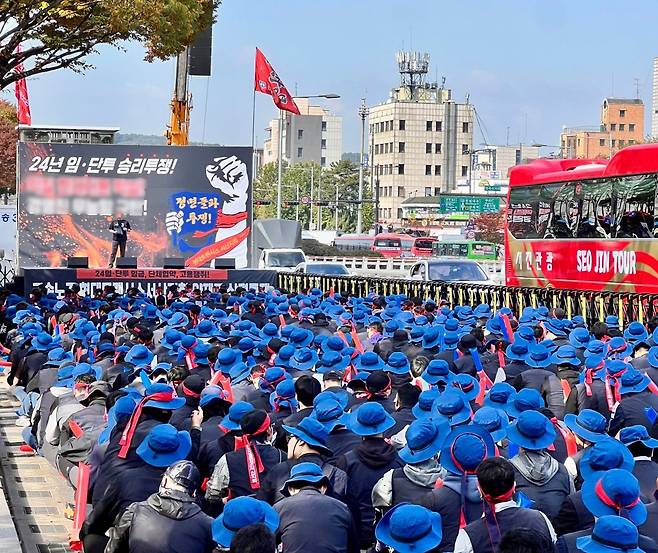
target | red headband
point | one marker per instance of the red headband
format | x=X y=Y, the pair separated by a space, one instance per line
x=607 y=500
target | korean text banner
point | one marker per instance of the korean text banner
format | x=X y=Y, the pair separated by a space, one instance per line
x=191 y=202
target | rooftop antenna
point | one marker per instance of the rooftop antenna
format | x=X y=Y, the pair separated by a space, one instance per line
x=413 y=67
x=637 y=87
x=507 y=137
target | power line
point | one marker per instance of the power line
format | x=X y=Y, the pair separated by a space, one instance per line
x=481 y=126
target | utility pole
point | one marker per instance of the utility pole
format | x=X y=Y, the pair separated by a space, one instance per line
x=280 y=167
x=336 y=229
x=363 y=113
x=310 y=205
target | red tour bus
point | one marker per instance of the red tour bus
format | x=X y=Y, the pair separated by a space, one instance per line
x=403 y=245
x=585 y=224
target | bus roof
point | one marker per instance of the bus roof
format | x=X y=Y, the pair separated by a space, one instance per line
x=632 y=160
x=389 y=235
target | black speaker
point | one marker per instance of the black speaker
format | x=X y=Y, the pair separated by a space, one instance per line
x=126 y=263
x=225 y=263
x=77 y=263
x=201 y=54
x=173 y=263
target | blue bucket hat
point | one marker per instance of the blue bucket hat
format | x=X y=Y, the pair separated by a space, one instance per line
x=65 y=377
x=304 y=359
x=603 y=456
x=285 y=355
x=636 y=332
x=596 y=348
x=637 y=433
x=43 y=342
x=178 y=320
x=615 y=492
x=304 y=473
x=213 y=393
x=332 y=361
x=424 y=406
x=246 y=345
x=580 y=337
x=269 y=331
x=227 y=358
x=532 y=431
x=555 y=326
x=500 y=395
x=525 y=333
x=612 y=321
x=398 y=363
x=451 y=340
x=206 y=329
x=431 y=337
x=170 y=337
x=369 y=419
x=424 y=439
x=633 y=381
x=284 y=396
x=437 y=371
x=483 y=311
x=538 y=356
x=495 y=421
x=518 y=351
x=301 y=338
x=139 y=355
x=652 y=356
x=312 y=432
x=369 y=361
x=240 y=512
x=410 y=528
x=589 y=425
x=527 y=399
x=168 y=404
x=452 y=405
x=164 y=445
x=57 y=357
x=618 y=347
x=566 y=355
x=469 y=385
x=328 y=412
x=465 y=448
x=611 y=534
x=235 y=413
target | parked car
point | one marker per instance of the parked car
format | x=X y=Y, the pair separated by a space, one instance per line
x=322 y=268
x=449 y=270
x=281 y=259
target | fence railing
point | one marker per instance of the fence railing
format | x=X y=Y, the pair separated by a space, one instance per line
x=593 y=306
x=7 y=272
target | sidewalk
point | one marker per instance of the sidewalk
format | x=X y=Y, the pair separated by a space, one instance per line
x=36 y=493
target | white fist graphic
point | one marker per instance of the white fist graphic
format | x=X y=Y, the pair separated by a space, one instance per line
x=229 y=175
x=174 y=222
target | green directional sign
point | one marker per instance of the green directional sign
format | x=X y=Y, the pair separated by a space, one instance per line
x=468 y=204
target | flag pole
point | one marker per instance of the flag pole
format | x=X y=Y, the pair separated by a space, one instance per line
x=280 y=167
x=253 y=176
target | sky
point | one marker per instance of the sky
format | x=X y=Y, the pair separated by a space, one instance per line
x=530 y=65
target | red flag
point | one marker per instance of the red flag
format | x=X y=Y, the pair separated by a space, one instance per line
x=20 y=89
x=268 y=82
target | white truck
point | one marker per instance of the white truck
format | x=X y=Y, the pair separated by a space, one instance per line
x=281 y=259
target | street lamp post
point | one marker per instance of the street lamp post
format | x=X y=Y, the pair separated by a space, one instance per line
x=282 y=121
x=363 y=113
x=471 y=154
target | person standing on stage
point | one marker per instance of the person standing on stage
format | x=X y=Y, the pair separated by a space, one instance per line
x=120 y=229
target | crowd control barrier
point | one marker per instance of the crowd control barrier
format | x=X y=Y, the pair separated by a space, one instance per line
x=592 y=306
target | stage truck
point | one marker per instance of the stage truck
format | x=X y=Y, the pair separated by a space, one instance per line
x=585 y=224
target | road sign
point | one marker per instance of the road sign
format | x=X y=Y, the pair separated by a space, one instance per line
x=305 y=200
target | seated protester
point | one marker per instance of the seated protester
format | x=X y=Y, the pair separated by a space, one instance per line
x=568 y=360
x=538 y=475
x=306 y=389
x=469 y=347
x=82 y=429
x=211 y=451
x=47 y=376
x=255 y=538
x=516 y=354
x=190 y=390
x=162 y=446
x=332 y=381
x=495 y=421
x=589 y=427
x=214 y=404
x=242 y=513
x=652 y=361
x=260 y=397
x=613 y=493
x=412 y=482
x=367 y=463
x=244 y=378
x=641 y=447
x=591 y=393
x=405 y=399
x=501 y=513
x=163 y=523
x=329 y=412
x=603 y=456
x=300 y=528
x=240 y=472
x=458 y=500
x=399 y=369
x=378 y=390
x=636 y=399
x=307 y=443
x=409 y=529
x=283 y=402
x=375 y=334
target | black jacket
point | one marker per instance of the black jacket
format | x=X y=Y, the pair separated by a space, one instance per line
x=573 y=515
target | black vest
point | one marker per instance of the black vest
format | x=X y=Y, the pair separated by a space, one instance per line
x=508 y=519
x=549 y=497
x=404 y=490
x=151 y=532
x=237 y=468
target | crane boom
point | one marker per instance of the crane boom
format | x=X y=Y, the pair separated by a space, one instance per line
x=178 y=130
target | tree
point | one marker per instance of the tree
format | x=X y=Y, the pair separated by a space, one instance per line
x=57 y=34
x=8 y=139
x=489 y=227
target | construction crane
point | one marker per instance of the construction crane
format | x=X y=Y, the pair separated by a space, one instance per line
x=178 y=130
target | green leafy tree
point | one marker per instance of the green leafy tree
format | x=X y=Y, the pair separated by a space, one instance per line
x=57 y=34
x=8 y=139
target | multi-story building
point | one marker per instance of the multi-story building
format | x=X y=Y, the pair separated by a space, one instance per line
x=654 y=102
x=420 y=139
x=622 y=124
x=314 y=135
x=491 y=165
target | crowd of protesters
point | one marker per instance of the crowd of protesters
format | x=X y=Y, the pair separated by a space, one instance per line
x=256 y=421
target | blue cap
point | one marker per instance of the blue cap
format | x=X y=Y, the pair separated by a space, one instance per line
x=527 y=399
x=410 y=529
x=311 y=432
x=603 y=456
x=452 y=405
x=164 y=445
x=589 y=425
x=611 y=534
x=235 y=413
x=615 y=492
x=637 y=433
x=306 y=473
x=369 y=419
x=465 y=448
x=424 y=439
x=240 y=512
x=494 y=421
x=531 y=430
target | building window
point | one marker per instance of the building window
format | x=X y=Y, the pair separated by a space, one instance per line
x=428 y=169
x=464 y=170
x=428 y=191
x=403 y=124
x=300 y=152
x=631 y=127
x=428 y=148
x=401 y=147
x=391 y=122
x=300 y=134
x=437 y=170
x=613 y=126
x=613 y=142
x=622 y=127
x=323 y=144
x=438 y=126
x=622 y=113
x=387 y=126
x=601 y=141
x=390 y=191
x=399 y=213
x=631 y=141
x=390 y=147
x=372 y=128
x=401 y=169
x=465 y=126
x=324 y=125
x=437 y=148
x=400 y=191
x=465 y=150
x=621 y=143
x=437 y=191
x=323 y=161
x=428 y=126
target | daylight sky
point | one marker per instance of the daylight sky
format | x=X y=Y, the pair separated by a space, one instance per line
x=532 y=65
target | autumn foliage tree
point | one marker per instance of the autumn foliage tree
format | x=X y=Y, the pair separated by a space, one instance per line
x=8 y=139
x=489 y=227
x=58 y=34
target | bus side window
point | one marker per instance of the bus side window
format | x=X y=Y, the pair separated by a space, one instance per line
x=595 y=200
x=635 y=201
